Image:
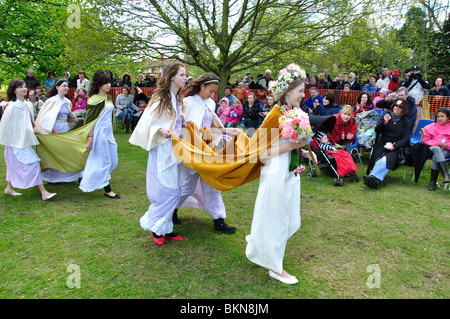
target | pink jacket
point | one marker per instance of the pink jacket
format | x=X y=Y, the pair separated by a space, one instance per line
x=223 y=112
x=434 y=133
x=238 y=112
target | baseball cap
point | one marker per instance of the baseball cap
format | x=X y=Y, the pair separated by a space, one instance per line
x=416 y=67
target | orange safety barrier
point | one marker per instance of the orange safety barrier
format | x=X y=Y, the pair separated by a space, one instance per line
x=426 y=106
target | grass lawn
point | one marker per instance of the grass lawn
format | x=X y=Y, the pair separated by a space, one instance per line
x=354 y=242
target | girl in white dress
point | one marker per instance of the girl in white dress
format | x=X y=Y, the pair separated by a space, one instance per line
x=17 y=134
x=54 y=117
x=199 y=108
x=276 y=214
x=102 y=159
x=162 y=116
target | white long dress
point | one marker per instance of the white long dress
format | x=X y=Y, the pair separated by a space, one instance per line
x=276 y=216
x=102 y=159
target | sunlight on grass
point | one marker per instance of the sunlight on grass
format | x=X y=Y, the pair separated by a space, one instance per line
x=401 y=227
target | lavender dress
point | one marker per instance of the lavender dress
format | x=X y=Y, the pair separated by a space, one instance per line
x=163 y=188
x=61 y=126
x=22 y=165
x=195 y=192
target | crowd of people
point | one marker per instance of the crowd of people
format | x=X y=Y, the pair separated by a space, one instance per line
x=180 y=102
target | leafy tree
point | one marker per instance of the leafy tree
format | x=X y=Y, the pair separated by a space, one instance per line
x=230 y=36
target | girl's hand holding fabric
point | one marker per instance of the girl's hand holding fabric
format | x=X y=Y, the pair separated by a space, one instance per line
x=164 y=132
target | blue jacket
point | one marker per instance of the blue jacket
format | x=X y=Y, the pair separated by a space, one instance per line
x=370 y=88
x=329 y=110
x=310 y=101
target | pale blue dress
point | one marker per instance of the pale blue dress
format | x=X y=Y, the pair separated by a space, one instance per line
x=102 y=159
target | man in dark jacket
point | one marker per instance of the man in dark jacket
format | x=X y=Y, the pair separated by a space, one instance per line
x=30 y=80
x=354 y=85
x=403 y=94
x=150 y=81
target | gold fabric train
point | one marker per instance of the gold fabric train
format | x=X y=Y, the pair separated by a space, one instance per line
x=237 y=163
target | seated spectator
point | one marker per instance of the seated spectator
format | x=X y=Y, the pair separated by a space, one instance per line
x=150 y=80
x=371 y=86
x=393 y=130
x=363 y=103
x=354 y=85
x=252 y=85
x=347 y=87
x=72 y=83
x=314 y=82
x=439 y=88
x=268 y=106
x=224 y=111
x=125 y=108
x=40 y=94
x=236 y=83
x=323 y=81
x=235 y=114
x=385 y=78
x=338 y=83
x=251 y=113
x=437 y=137
x=266 y=79
x=328 y=107
x=113 y=79
x=344 y=131
x=402 y=93
x=75 y=98
x=35 y=102
x=80 y=105
x=82 y=82
x=141 y=104
x=314 y=100
x=228 y=91
x=50 y=81
x=126 y=80
x=140 y=82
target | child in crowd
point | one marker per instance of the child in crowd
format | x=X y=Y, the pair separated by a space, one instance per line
x=80 y=105
x=235 y=114
x=224 y=111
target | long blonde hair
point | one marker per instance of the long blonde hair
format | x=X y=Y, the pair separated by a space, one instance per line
x=162 y=92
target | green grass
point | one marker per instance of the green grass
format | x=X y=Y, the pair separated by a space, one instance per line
x=402 y=227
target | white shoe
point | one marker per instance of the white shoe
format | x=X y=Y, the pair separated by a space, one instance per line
x=290 y=281
x=10 y=191
x=48 y=195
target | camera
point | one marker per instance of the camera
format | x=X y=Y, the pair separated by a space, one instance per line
x=394 y=95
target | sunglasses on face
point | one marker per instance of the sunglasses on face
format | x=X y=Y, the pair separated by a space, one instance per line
x=399 y=105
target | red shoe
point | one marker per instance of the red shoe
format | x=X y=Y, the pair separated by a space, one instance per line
x=158 y=239
x=174 y=236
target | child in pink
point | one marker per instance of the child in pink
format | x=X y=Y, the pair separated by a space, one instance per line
x=235 y=114
x=224 y=110
x=437 y=137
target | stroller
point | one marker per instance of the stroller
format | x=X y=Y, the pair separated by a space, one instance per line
x=338 y=164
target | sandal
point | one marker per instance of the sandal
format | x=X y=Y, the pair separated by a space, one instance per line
x=10 y=191
x=46 y=197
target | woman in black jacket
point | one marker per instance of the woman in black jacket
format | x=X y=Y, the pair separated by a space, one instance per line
x=393 y=133
x=251 y=112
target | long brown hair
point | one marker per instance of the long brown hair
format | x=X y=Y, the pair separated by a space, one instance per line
x=13 y=85
x=162 y=92
x=206 y=79
x=291 y=87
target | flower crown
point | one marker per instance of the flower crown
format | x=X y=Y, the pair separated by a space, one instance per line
x=286 y=77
